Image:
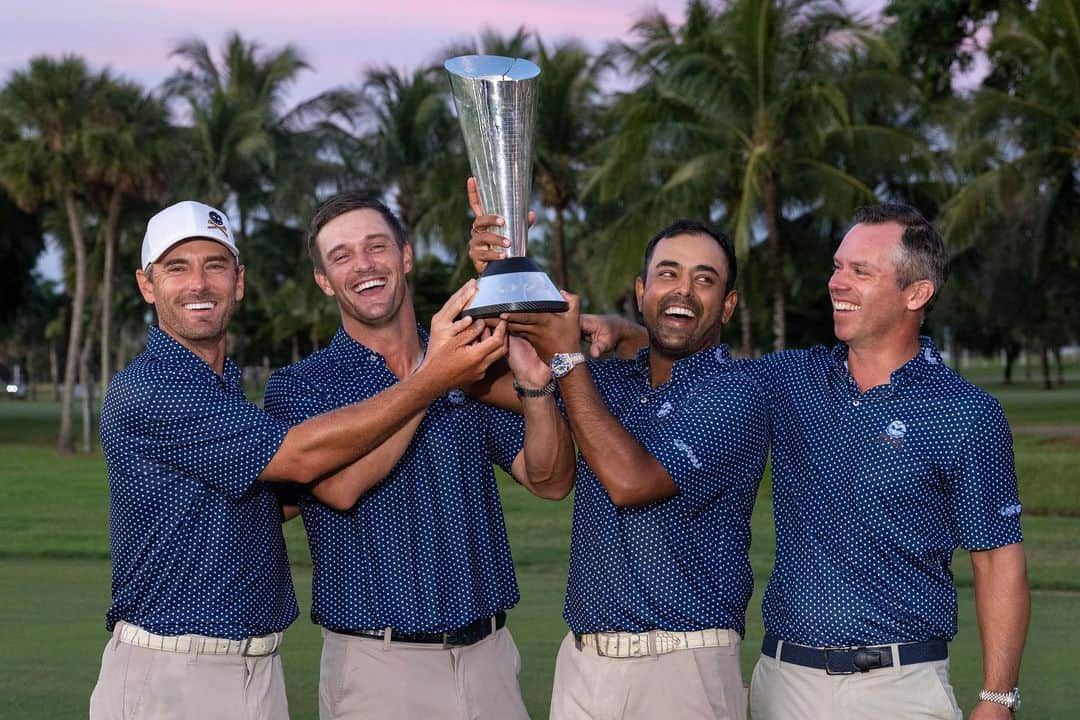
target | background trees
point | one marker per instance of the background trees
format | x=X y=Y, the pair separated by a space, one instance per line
x=771 y=118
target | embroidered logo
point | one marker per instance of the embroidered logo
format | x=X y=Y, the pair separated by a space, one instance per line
x=456 y=396
x=664 y=410
x=893 y=434
x=216 y=222
x=1010 y=510
x=688 y=452
x=930 y=357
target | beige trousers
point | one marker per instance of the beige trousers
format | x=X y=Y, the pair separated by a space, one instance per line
x=685 y=684
x=138 y=683
x=368 y=678
x=784 y=691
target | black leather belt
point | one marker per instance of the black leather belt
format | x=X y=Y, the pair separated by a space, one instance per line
x=474 y=632
x=850 y=660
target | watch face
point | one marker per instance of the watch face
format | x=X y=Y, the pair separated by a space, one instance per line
x=1016 y=699
x=560 y=365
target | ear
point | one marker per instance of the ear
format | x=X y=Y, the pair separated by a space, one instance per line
x=639 y=291
x=407 y=257
x=146 y=288
x=730 y=303
x=323 y=283
x=239 y=292
x=918 y=294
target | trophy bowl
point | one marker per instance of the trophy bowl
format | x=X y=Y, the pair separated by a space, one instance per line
x=495 y=98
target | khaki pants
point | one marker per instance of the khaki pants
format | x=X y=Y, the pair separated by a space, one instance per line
x=368 y=678
x=784 y=691
x=138 y=683
x=685 y=684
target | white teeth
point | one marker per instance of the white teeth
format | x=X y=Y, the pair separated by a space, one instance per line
x=369 y=284
x=845 y=306
x=199 y=306
x=677 y=310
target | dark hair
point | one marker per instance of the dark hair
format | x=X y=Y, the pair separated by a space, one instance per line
x=695 y=227
x=922 y=253
x=344 y=202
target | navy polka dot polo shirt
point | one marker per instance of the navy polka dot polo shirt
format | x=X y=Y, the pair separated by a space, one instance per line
x=425 y=550
x=196 y=540
x=681 y=563
x=872 y=492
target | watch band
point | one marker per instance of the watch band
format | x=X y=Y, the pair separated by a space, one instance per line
x=525 y=392
x=1009 y=699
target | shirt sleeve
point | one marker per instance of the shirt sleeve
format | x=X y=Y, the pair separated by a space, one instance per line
x=291 y=399
x=505 y=435
x=211 y=434
x=986 y=502
x=716 y=440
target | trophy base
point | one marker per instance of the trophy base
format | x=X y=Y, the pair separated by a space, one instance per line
x=514 y=285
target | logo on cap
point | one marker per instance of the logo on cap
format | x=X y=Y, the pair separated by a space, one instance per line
x=215 y=222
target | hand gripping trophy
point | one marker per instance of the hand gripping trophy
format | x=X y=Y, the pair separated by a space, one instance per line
x=496 y=104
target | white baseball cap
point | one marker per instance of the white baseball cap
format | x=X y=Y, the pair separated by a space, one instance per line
x=183 y=221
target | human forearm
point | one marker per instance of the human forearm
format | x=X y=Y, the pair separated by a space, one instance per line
x=342 y=489
x=1002 y=606
x=546 y=463
x=627 y=471
x=326 y=443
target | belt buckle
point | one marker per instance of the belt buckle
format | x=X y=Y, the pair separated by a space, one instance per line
x=662 y=642
x=830 y=652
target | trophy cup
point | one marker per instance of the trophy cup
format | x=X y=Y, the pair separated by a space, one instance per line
x=496 y=104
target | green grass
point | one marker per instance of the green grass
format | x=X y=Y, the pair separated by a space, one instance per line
x=55 y=579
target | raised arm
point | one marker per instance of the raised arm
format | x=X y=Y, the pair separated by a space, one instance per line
x=627 y=471
x=456 y=356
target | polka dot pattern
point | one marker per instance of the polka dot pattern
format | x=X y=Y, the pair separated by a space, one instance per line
x=195 y=539
x=873 y=491
x=681 y=563
x=425 y=550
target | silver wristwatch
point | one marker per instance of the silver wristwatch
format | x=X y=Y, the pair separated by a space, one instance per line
x=1009 y=699
x=563 y=363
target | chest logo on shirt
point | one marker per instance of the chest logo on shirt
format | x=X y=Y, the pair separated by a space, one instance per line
x=456 y=397
x=688 y=451
x=664 y=410
x=893 y=434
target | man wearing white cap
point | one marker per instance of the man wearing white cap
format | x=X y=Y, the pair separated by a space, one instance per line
x=201 y=589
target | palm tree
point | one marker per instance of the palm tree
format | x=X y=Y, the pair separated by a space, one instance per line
x=565 y=128
x=129 y=149
x=53 y=103
x=1029 y=108
x=235 y=107
x=738 y=116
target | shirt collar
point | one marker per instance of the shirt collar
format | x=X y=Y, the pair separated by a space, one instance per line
x=916 y=369
x=690 y=366
x=165 y=347
x=354 y=352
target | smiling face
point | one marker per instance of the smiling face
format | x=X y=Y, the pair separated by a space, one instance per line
x=194 y=287
x=869 y=306
x=363 y=267
x=683 y=297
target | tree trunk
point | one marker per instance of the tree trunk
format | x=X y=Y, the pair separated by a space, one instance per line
x=295 y=348
x=66 y=440
x=562 y=276
x=1059 y=366
x=86 y=379
x=776 y=263
x=112 y=220
x=54 y=370
x=746 y=329
x=1011 y=353
x=1047 y=385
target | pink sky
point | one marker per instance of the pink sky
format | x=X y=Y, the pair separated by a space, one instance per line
x=338 y=38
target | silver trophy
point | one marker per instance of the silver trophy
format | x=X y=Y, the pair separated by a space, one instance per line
x=496 y=104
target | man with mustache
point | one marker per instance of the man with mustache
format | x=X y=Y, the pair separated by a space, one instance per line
x=884 y=462
x=201 y=590
x=412 y=574
x=672 y=444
